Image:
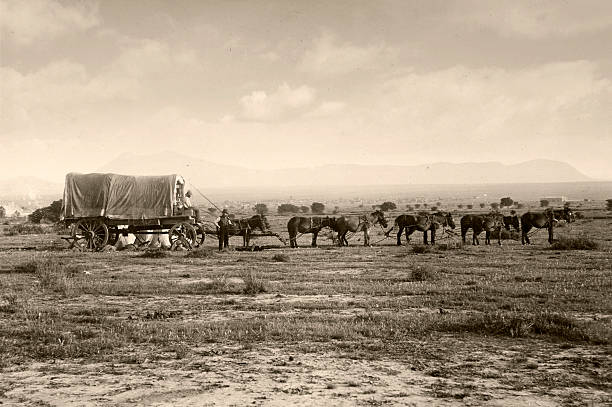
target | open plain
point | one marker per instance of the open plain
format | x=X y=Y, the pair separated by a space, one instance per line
x=382 y=325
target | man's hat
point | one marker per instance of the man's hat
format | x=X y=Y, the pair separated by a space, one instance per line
x=188 y=193
x=224 y=211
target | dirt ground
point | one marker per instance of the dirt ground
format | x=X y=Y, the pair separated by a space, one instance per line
x=384 y=325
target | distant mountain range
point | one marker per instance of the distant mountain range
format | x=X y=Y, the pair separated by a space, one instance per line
x=206 y=174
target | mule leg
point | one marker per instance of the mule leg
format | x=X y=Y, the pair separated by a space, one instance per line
x=409 y=232
x=425 y=237
x=291 y=240
x=463 y=233
x=399 y=235
x=487 y=237
x=433 y=236
x=499 y=242
x=314 y=238
x=366 y=237
x=550 y=234
x=524 y=235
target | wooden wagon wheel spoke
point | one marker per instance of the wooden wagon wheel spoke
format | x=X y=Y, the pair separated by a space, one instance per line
x=183 y=233
x=181 y=243
x=91 y=234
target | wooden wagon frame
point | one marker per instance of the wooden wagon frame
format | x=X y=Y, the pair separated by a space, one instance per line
x=96 y=232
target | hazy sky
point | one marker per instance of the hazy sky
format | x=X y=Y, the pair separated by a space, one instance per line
x=267 y=84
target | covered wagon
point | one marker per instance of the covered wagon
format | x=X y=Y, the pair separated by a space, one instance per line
x=101 y=207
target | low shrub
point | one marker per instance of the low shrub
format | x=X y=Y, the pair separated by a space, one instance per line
x=29 y=267
x=25 y=229
x=420 y=249
x=422 y=273
x=154 y=254
x=574 y=243
x=281 y=257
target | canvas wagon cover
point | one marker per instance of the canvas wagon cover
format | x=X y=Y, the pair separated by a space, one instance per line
x=119 y=196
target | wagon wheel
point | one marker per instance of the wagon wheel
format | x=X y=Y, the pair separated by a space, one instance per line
x=182 y=236
x=200 y=234
x=113 y=235
x=90 y=235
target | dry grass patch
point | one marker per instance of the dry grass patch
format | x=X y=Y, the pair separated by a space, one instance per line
x=201 y=253
x=253 y=284
x=154 y=254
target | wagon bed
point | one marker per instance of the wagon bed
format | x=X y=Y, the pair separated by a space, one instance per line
x=95 y=233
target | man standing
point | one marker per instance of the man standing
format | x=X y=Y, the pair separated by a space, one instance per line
x=223 y=223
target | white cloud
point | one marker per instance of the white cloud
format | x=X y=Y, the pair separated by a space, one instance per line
x=228 y=118
x=558 y=111
x=327 y=108
x=259 y=105
x=24 y=22
x=327 y=57
x=144 y=74
x=536 y=19
x=269 y=56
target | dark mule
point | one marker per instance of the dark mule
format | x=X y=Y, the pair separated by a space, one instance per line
x=541 y=220
x=357 y=223
x=299 y=224
x=564 y=214
x=512 y=222
x=422 y=223
x=488 y=223
x=243 y=227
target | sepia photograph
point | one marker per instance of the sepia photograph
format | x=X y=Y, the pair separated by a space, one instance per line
x=305 y=203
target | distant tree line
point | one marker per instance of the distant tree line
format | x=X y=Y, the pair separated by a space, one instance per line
x=51 y=213
x=261 y=209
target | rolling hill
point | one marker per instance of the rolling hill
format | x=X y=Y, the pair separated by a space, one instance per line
x=207 y=174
